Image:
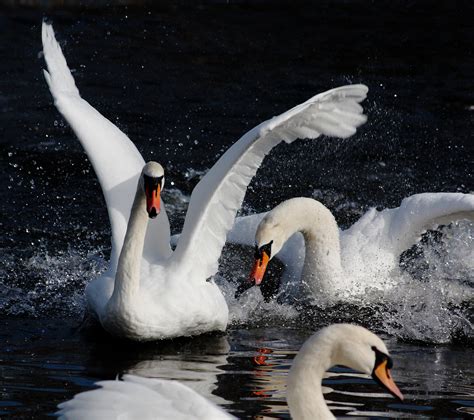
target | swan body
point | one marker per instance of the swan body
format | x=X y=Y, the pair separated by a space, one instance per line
x=149 y=291
x=340 y=344
x=141 y=398
x=334 y=264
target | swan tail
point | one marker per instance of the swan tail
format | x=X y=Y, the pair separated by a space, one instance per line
x=58 y=76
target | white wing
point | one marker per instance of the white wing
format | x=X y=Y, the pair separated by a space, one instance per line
x=116 y=161
x=140 y=398
x=218 y=196
x=396 y=230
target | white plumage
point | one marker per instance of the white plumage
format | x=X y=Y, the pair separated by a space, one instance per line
x=169 y=295
x=143 y=398
x=337 y=264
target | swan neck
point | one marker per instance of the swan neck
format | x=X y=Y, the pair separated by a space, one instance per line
x=322 y=263
x=127 y=278
x=305 y=396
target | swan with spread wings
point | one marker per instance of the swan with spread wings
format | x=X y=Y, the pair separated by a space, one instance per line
x=149 y=291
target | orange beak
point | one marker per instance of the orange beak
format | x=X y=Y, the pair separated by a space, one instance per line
x=382 y=375
x=153 y=201
x=259 y=268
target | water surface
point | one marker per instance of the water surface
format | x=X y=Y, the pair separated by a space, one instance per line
x=46 y=362
x=184 y=84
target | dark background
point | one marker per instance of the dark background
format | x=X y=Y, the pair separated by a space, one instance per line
x=171 y=77
x=185 y=82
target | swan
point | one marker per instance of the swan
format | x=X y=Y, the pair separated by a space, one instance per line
x=150 y=292
x=338 y=344
x=336 y=264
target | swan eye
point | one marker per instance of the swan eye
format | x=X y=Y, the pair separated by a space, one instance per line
x=267 y=248
x=152 y=182
x=381 y=357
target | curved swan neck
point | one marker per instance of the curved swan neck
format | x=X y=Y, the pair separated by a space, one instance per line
x=322 y=263
x=304 y=395
x=322 y=249
x=127 y=277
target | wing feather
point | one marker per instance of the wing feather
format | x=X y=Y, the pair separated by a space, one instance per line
x=218 y=196
x=397 y=229
x=116 y=161
x=425 y=211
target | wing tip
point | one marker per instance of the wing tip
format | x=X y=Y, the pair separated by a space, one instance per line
x=59 y=77
x=357 y=92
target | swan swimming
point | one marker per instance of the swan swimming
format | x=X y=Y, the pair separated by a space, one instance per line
x=334 y=264
x=149 y=291
x=339 y=344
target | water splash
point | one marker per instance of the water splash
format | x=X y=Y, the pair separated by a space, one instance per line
x=45 y=285
x=432 y=300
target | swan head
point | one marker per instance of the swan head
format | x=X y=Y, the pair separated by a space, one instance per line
x=361 y=350
x=270 y=237
x=153 y=181
x=338 y=344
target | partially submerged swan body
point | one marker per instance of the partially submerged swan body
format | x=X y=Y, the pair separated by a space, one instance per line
x=334 y=264
x=149 y=291
x=340 y=344
x=136 y=397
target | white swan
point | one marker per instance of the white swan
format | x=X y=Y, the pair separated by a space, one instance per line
x=340 y=344
x=335 y=264
x=157 y=293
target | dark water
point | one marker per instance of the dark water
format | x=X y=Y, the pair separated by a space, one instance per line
x=184 y=84
x=44 y=363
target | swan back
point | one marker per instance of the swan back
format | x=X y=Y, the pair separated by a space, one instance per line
x=141 y=398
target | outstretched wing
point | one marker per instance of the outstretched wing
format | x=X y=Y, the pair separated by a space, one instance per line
x=396 y=230
x=140 y=398
x=116 y=161
x=421 y=212
x=217 y=197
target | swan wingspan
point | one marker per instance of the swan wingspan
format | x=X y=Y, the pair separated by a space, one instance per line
x=218 y=196
x=116 y=161
x=141 y=398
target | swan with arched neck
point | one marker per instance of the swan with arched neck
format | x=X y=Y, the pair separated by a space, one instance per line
x=334 y=264
x=149 y=291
